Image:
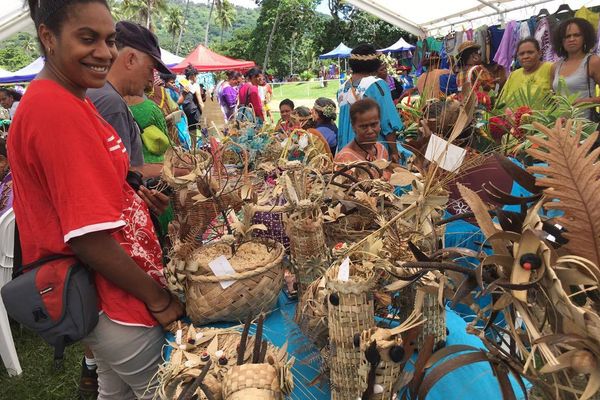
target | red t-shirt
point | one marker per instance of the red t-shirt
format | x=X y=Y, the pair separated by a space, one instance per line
x=249 y=96
x=69 y=168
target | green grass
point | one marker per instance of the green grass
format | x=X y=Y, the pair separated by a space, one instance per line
x=39 y=380
x=303 y=91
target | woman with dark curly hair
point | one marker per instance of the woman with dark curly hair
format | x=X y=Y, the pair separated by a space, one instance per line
x=573 y=40
x=10 y=99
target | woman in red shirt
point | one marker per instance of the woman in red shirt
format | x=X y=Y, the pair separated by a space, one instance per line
x=249 y=96
x=71 y=196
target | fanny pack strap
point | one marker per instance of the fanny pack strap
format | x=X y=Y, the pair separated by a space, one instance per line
x=18 y=266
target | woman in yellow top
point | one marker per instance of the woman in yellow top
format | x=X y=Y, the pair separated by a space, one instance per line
x=534 y=74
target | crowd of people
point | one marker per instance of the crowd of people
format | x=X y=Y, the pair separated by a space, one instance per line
x=87 y=143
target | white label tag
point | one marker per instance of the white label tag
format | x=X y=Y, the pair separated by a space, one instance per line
x=220 y=266
x=303 y=142
x=446 y=155
x=344 y=271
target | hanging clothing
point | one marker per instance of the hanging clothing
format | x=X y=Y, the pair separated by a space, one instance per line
x=373 y=88
x=543 y=36
x=480 y=36
x=495 y=33
x=524 y=31
x=519 y=81
x=508 y=46
x=587 y=14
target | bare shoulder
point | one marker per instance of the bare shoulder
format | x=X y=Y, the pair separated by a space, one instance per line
x=594 y=62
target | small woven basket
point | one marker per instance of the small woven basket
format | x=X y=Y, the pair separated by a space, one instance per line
x=193 y=216
x=434 y=314
x=349 y=229
x=311 y=313
x=353 y=314
x=309 y=254
x=387 y=371
x=257 y=282
x=251 y=382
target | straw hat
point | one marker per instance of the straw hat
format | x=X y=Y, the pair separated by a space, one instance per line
x=469 y=44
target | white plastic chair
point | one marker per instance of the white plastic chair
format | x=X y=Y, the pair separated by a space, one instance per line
x=7 y=345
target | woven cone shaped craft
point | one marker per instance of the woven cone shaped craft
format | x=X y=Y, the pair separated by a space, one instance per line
x=350 y=312
x=257 y=282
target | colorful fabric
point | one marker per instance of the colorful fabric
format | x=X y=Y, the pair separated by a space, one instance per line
x=348 y=154
x=508 y=46
x=147 y=114
x=329 y=132
x=6 y=193
x=590 y=16
x=61 y=193
x=373 y=88
x=539 y=80
x=543 y=36
x=496 y=34
x=228 y=99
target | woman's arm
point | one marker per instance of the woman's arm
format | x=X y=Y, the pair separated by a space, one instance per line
x=104 y=255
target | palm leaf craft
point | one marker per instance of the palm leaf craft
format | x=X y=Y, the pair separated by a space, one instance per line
x=572 y=185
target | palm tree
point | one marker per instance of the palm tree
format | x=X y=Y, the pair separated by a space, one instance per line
x=213 y=3
x=142 y=11
x=174 y=22
x=225 y=16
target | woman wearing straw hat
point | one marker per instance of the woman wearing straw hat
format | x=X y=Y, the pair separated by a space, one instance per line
x=472 y=73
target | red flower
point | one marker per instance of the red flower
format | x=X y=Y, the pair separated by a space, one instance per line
x=499 y=127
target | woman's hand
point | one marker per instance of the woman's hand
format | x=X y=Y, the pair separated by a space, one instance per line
x=156 y=201
x=169 y=309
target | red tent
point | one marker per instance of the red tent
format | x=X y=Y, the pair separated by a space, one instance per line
x=205 y=60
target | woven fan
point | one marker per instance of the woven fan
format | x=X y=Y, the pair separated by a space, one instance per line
x=572 y=184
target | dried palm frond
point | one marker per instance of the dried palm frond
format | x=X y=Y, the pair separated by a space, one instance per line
x=572 y=184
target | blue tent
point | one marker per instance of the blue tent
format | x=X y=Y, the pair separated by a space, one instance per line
x=24 y=74
x=400 y=45
x=342 y=51
x=29 y=72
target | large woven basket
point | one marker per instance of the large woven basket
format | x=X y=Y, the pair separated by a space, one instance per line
x=387 y=371
x=353 y=314
x=434 y=314
x=309 y=254
x=257 y=282
x=251 y=382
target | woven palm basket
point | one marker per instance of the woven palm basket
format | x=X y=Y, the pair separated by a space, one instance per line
x=185 y=361
x=311 y=313
x=387 y=371
x=257 y=282
x=353 y=314
x=251 y=381
x=434 y=314
x=309 y=253
x=349 y=229
x=192 y=215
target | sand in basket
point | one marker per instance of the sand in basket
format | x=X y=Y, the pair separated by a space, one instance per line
x=256 y=283
x=350 y=312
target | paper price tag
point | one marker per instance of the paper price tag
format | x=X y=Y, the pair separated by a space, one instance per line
x=446 y=155
x=220 y=266
x=344 y=271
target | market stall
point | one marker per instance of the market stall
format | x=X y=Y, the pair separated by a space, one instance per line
x=206 y=60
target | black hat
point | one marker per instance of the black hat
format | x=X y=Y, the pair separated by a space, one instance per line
x=137 y=37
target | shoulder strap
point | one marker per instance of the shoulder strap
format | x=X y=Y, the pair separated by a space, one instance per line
x=587 y=74
x=18 y=266
x=381 y=92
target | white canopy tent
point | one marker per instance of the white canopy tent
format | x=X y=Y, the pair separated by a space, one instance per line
x=435 y=17
x=14 y=18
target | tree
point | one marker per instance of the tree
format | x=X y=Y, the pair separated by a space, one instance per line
x=174 y=22
x=142 y=11
x=213 y=3
x=225 y=16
